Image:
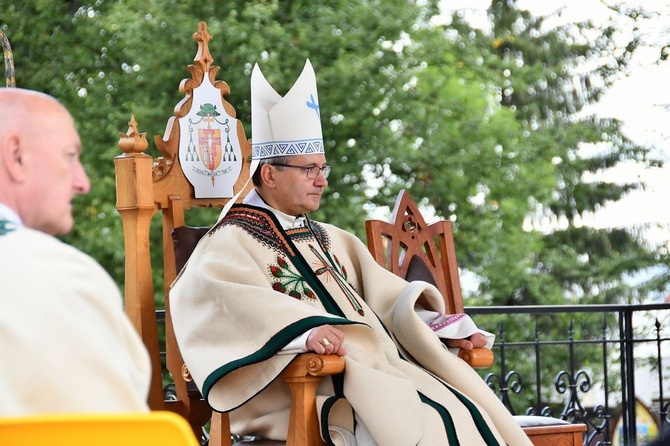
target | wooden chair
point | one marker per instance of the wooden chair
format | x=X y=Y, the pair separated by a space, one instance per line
x=414 y=250
x=146 y=186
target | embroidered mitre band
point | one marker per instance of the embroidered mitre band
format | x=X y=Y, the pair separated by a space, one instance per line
x=289 y=125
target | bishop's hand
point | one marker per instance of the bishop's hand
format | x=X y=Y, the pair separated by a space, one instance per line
x=326 y=340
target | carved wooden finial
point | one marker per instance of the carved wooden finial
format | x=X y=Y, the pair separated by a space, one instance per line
x=203 y=57
x=133 y=141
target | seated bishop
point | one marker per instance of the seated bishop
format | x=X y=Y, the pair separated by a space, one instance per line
x=267 y=283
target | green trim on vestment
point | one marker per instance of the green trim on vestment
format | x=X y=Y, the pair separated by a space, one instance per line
x=325 y=414
x=305 y=271
x=324 y=296
x=271 y=348
x=310 y=277
x=338 y=388
x=449 y=427
x=477 y=418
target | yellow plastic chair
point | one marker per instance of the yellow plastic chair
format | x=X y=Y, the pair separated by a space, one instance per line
x=145 y=429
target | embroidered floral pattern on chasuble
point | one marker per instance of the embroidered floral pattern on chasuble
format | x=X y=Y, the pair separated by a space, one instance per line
x=255 y=222
x=285 y=278
x=289 y=281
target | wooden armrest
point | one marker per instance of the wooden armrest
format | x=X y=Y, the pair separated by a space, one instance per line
x=478 y=358
x=303 y=376
x=313 y=364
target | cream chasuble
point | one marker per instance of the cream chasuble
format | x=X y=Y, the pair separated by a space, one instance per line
x=66 y=344
x=250 y=288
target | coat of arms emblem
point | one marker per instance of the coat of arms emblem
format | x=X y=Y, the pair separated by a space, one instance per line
x=209 y=149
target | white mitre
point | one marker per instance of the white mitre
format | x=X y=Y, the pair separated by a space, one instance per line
x=282 y=126
x=289 y=125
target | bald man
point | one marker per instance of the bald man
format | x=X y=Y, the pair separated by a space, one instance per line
x=65 y=343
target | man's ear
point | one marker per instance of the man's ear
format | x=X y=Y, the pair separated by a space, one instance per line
x=12 y=157
x=267 y=175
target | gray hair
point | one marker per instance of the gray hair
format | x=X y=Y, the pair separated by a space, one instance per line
x=256 y=178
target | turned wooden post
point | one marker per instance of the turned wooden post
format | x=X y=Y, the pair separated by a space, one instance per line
x=303 y=376
x=135 y=203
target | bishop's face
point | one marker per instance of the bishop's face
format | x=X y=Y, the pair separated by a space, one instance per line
x=291 y=191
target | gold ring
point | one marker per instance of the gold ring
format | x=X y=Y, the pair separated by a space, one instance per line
x=325 y=342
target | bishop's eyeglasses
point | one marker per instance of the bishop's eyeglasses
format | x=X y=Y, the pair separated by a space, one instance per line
x=311 y=171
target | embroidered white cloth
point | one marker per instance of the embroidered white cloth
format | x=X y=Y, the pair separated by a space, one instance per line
x=452 y=326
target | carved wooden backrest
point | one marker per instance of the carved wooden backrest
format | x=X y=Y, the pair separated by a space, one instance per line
x=414 y=250
x=146 y=186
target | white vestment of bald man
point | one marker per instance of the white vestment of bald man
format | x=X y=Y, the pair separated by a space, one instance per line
x=66 y=344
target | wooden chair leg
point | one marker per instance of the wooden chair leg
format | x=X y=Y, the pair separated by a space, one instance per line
x=303 y=376
x=304 y=420
x=219 y=430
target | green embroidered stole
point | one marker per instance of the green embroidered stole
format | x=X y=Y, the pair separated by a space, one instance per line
x=291 y=272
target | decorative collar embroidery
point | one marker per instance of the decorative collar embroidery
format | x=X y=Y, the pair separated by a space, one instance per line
x=6 y=227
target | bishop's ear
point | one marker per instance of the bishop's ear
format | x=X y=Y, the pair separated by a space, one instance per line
x=268 y=176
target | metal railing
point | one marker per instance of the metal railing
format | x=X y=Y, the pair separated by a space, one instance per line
x=548 y=359
x=571 y=351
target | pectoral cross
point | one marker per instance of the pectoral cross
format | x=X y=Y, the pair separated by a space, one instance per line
x=324 y=268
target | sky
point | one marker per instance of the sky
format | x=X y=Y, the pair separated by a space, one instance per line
x=640 y=99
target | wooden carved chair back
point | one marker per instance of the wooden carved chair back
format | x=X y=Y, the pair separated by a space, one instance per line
x=146 y=186
x=414 y=250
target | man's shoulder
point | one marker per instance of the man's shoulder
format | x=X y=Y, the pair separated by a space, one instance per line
x=246 y=212
x=250 y=218
x=332 y=230
x=29 y=239
x=39 y=247
x=48 y=267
